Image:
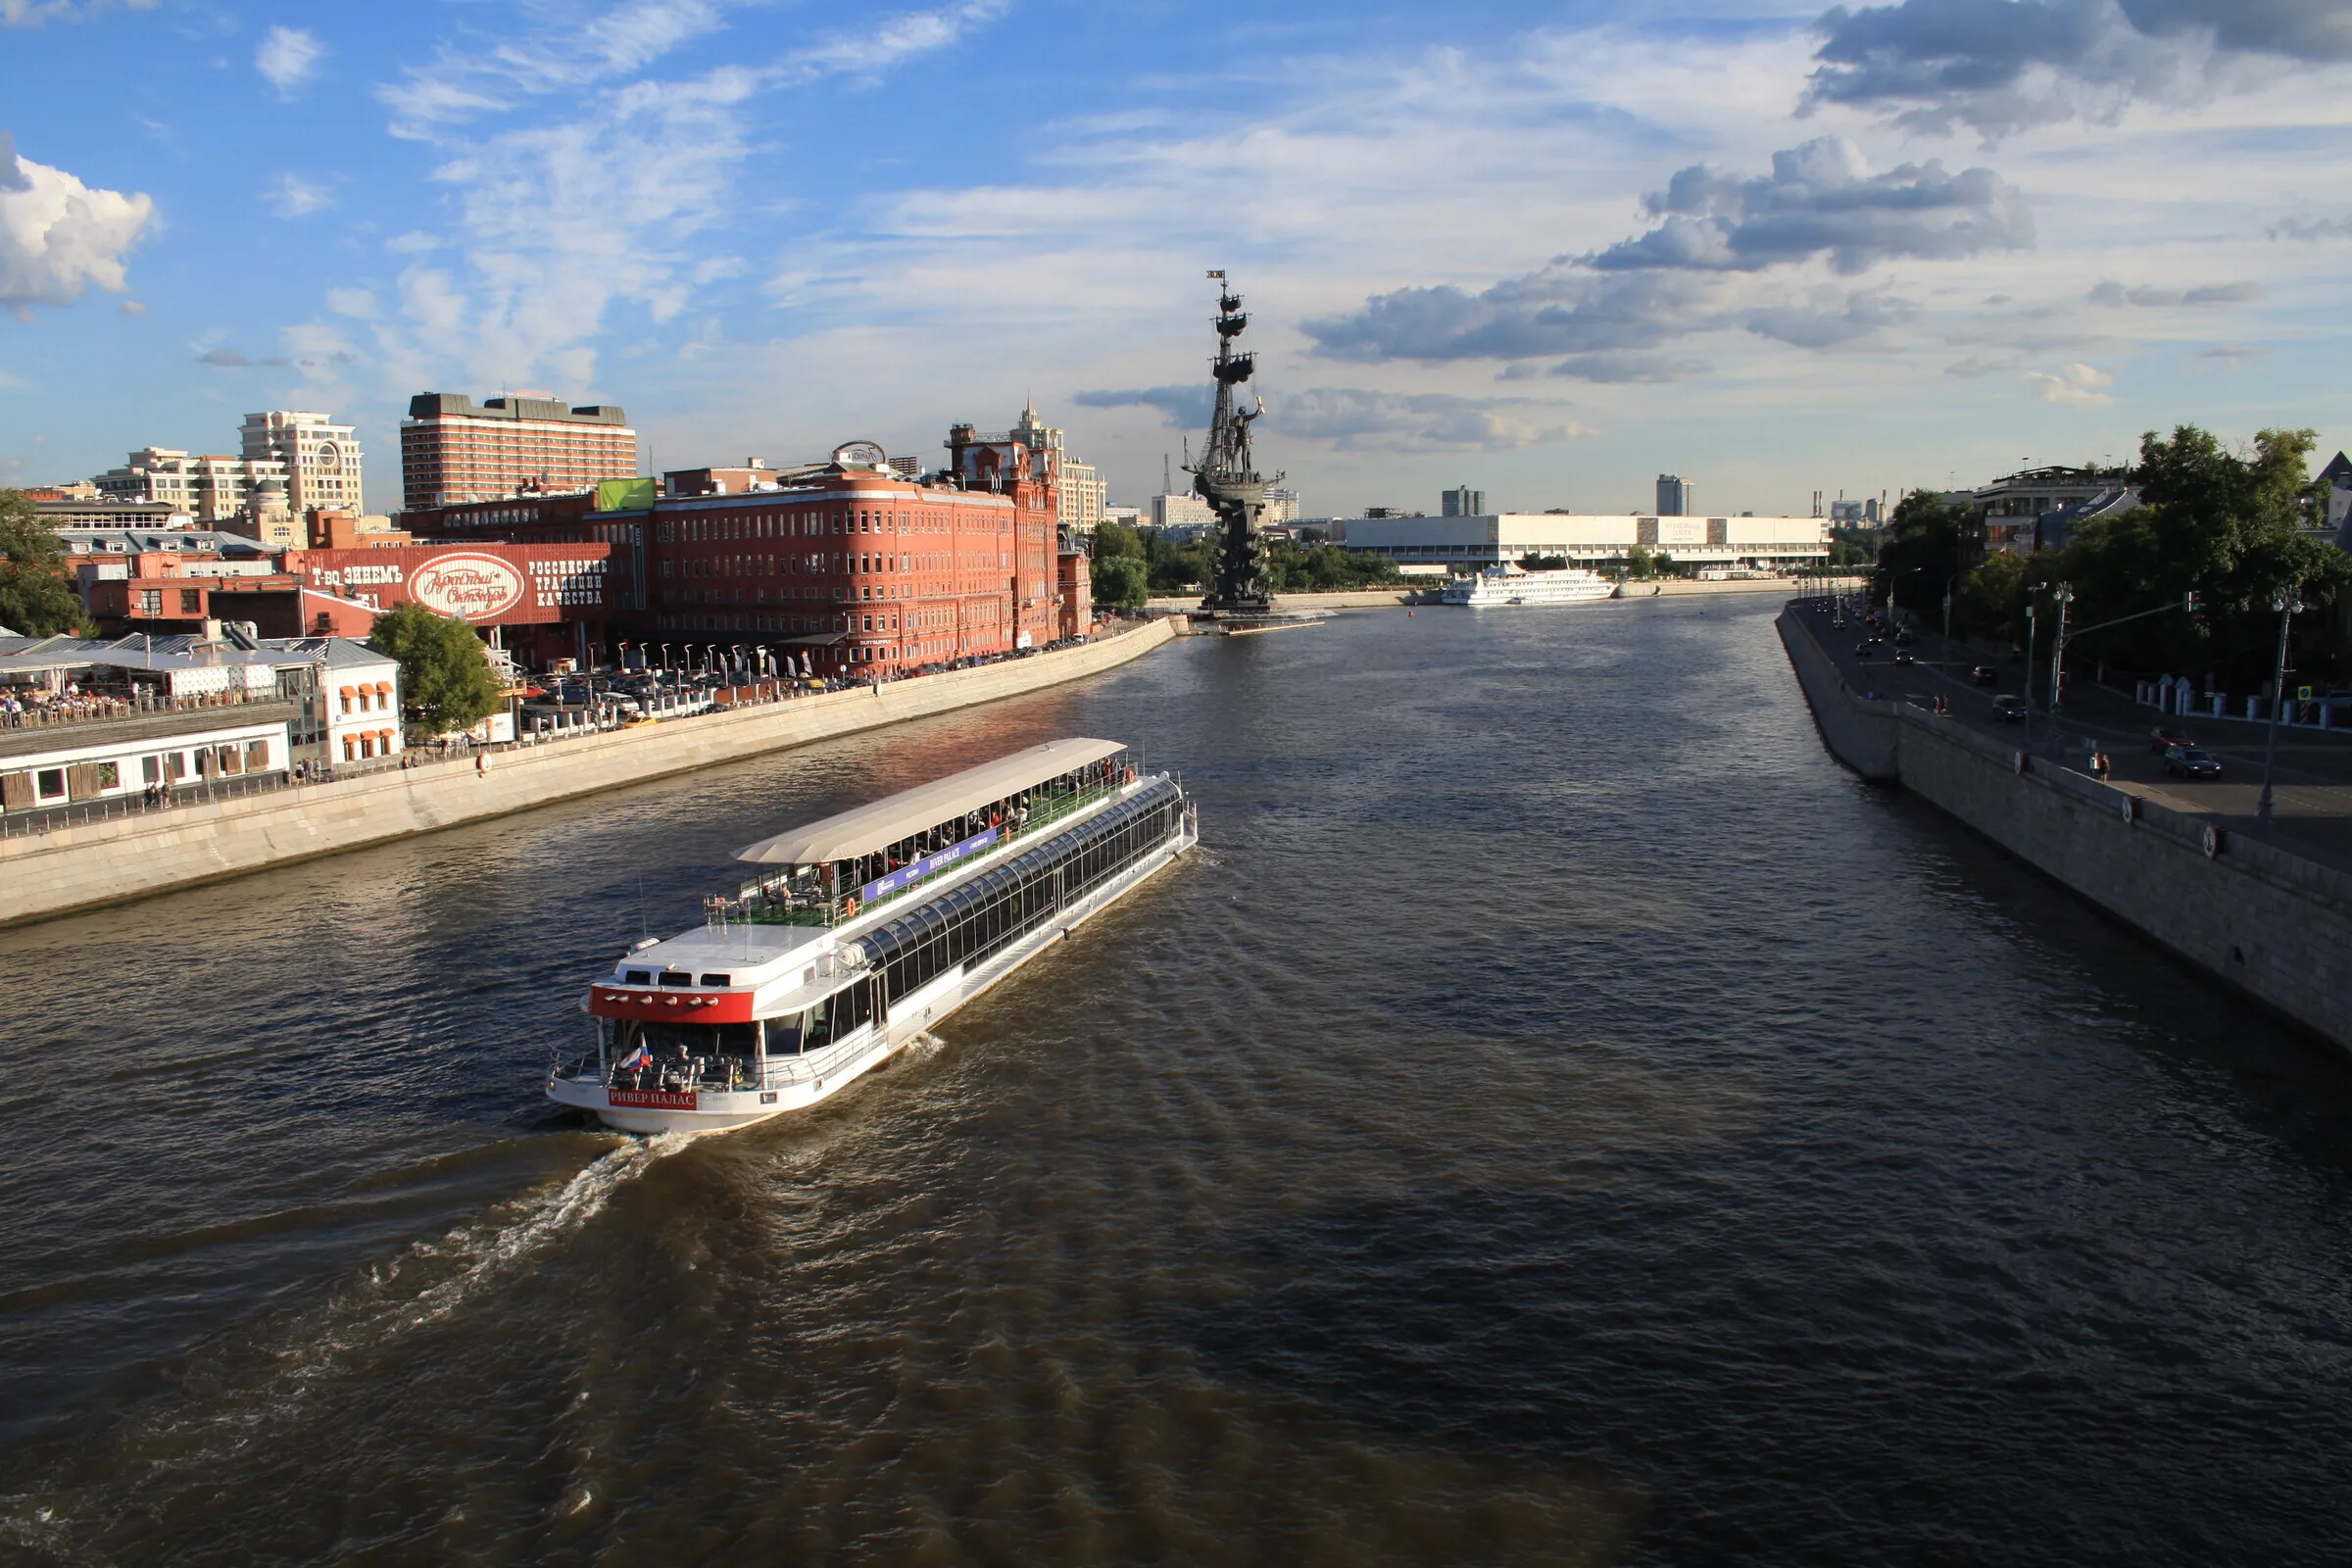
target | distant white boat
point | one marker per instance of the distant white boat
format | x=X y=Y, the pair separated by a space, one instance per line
x=1499 y=585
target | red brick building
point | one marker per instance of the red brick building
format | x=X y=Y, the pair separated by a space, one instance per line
x=861 y=570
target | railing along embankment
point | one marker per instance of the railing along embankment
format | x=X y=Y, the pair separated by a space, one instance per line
x=2272 y=923
x=112 y=859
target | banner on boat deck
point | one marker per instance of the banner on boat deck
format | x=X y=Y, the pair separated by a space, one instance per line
x=652 y=1100
x=916 y=871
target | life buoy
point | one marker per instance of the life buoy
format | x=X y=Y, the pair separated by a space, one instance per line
x=1127 y=775
x=849 y=907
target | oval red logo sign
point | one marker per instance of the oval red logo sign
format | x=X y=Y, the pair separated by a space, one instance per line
x=476 y=587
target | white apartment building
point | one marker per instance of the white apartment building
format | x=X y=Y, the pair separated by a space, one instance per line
x=1586 y=539
x=1171 y=511
x=321 y=458
x=210 y=489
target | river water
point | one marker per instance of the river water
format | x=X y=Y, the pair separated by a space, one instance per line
x=1559 y=1117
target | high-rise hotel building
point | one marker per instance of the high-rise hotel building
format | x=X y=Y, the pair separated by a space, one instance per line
x=453 y=451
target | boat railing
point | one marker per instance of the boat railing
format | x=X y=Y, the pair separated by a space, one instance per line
x=709 y=1074
x=776 y=902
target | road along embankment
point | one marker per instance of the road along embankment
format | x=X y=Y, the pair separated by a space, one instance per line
x=87 y=864
x=2272 y=924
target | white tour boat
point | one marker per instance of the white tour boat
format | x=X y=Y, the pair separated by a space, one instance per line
x=1507 y=585
x=862 y=931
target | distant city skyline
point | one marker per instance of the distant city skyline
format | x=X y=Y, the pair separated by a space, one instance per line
x=1778 y=250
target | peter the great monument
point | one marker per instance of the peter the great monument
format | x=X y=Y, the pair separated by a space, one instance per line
x=1240 y=598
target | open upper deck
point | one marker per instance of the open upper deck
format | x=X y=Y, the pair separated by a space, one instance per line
x=835 y=868
x=874 y=828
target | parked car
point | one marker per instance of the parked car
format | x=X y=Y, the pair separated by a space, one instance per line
x=2009 y=709
x=1985 y=675
x=2164 y=738
x=2190 y=763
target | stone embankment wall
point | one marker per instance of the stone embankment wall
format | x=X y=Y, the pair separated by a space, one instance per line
x=2271 y=924
x=110 y=861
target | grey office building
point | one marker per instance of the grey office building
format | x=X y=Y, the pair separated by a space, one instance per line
x=1674 y=496
x=1464 y=502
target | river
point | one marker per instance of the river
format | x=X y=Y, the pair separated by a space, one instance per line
x=1558 y=1116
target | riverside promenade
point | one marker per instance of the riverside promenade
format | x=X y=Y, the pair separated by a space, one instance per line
x=2266 y=912
x=86 y=864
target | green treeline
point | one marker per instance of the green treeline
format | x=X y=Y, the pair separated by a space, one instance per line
x=1132 y=564
x=2230 y=528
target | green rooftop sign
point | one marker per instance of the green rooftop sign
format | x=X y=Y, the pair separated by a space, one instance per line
x=624 y=495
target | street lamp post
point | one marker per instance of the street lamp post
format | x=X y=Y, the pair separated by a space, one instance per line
x=2066 y=597
x=2032 y=620
x=2289 y=603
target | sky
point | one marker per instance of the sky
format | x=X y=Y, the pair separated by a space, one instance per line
x=1549 y=251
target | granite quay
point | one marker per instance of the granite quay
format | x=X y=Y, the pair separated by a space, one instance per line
x=2268 y=916
x=113 y=858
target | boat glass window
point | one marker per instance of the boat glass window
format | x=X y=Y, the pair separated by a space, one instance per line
x=677 y=977
x=784 y=1034
x=640 y=977
x=718 y=979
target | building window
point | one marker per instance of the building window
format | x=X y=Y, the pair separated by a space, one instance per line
x=151 y=600
x=191 y=600
x=351 y=749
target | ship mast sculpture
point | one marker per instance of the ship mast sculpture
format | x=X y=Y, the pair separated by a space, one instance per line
x=1227 y=479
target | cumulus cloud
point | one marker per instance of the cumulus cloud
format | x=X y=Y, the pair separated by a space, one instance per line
x=2312 y=229
x=2004 y=66
x=287 y=58
x=1353 y=417
x=290 y=197
x=2230 y=353
x=2113 y=293
x=1610 y=312
x=2080 y=386
x=1621 y=368
x=1561 y=308
x=1826 y=320
x=1185 y=407
x=1821 y=198
x=224 y=359
x=58 y=236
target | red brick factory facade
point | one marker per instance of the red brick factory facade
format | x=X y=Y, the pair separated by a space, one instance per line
x=850 y=564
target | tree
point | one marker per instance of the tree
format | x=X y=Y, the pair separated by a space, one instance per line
x=35 y=596
x=1117 y=539
x=2224 y=525
x=1850 y=548
x=1929 y=545
x=1638 y=562
x=445 y=680
x=1121 y=581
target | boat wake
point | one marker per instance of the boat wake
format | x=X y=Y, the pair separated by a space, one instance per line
x=290 y=1362
x=453 y=1267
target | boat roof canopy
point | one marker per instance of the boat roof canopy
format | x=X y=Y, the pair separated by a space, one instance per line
x=868 y=828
